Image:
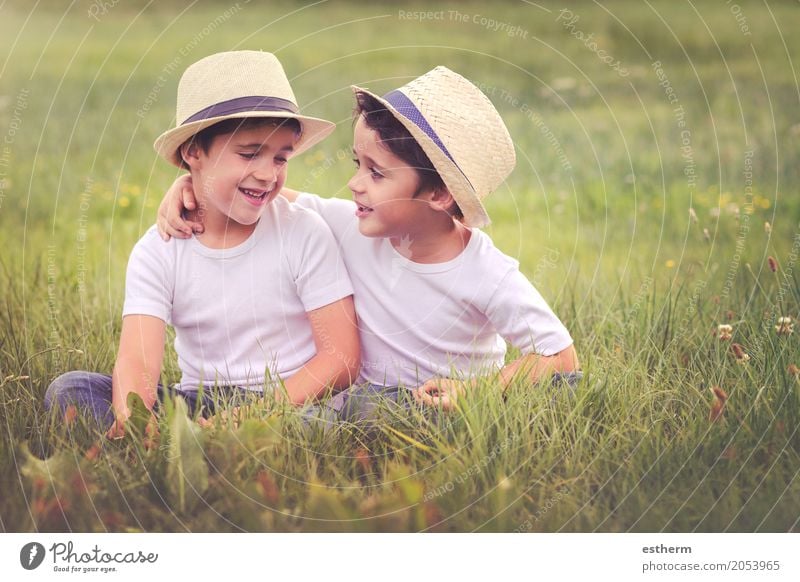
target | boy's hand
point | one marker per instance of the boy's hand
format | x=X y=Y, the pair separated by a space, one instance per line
x=121 y=415
x=442 y=392
x=117 y=430
x=151 y=433
x=178 y=198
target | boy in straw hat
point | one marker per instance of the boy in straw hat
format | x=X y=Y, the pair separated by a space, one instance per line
x=262 y=294
x=436 y=301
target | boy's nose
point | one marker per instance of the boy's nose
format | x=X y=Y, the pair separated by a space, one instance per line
x=265 y=172
x=356 y=184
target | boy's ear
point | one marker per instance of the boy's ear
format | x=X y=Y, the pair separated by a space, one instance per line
x=190 y=153
x=441 y=199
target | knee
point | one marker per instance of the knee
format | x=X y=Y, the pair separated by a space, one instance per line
x=62 y=388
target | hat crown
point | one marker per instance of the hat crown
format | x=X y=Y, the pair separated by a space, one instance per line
x=467 y=124
x=230 y=75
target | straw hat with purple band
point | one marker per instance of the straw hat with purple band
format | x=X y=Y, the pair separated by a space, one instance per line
x=233 y=85
x=460 y=131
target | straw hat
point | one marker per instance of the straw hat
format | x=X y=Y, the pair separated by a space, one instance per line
x=460 y=131
x=234 y=85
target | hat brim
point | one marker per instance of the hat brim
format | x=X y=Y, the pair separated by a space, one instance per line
x=314 y=131
x=463 y=193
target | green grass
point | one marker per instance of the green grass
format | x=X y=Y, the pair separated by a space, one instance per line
x=635 y=280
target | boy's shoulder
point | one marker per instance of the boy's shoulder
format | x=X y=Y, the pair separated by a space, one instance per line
x=486 y=256
x=152 y=240
x=298 y=224
x=150 y=273
x=338 y=213
x=292 y=212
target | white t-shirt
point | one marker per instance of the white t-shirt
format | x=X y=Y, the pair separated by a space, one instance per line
x=452 y=319
x=240 y=313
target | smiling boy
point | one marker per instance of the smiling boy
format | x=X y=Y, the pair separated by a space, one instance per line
x=261 y=298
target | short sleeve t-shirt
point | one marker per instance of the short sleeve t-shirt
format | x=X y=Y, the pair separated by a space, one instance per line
x=239 y=313
x=453 y=319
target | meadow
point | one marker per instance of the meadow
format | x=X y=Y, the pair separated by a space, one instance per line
x=655 y=199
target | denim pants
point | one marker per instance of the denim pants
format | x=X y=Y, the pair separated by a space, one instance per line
x=90 y=393
x=365 y=403
x=361 y=403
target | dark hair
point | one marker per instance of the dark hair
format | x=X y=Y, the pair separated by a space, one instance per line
x=402 y=144
x=204 y=137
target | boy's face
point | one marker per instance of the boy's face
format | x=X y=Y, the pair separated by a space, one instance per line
x=241 y=172
x=384 y=187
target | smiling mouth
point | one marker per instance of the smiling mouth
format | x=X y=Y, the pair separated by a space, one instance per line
x=254 y=194
x=362 y=208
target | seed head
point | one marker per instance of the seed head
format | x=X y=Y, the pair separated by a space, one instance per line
x=741 y=355
x=724 y=332
x=720 y=398
x=785 y=326
x=773 y=264
x=269 y=489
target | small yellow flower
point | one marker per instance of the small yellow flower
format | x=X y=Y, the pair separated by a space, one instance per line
x=785 y=326
x=124 y=201
x=669 y=264
x=761 y=201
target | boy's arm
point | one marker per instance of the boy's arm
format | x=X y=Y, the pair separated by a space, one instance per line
x=533 y=367
x=522 y=317
x=338 y=356
x=180 y=196
x=170 y=219
x=138 y=365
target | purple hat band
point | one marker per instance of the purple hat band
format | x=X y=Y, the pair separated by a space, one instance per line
x=243 y=104
x=407 y=109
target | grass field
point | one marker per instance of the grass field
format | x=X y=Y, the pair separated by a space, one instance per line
x=654 y=141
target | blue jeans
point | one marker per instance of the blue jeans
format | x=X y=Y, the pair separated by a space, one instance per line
x=90 y=393
x=365 y=403
x=571 y=379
